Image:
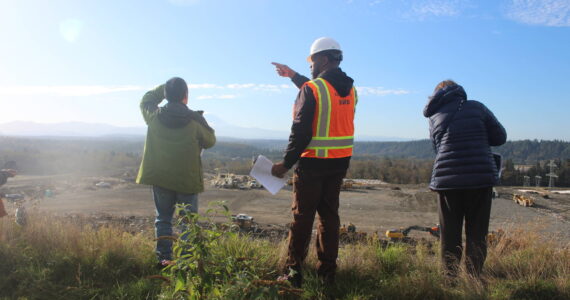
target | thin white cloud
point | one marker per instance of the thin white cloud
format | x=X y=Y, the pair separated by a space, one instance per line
x=92 y=90
x=242 y=86
x=379 y=91
x=540 y=12
x=201 y=90
x=420 y=10
x=208 y=97
x=66 y=90
x=199 y=86
x=436 y=8
x=272 y=87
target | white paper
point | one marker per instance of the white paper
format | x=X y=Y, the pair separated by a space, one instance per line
x=261 y=171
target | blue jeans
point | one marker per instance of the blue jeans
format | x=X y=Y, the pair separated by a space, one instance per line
x=165 y=201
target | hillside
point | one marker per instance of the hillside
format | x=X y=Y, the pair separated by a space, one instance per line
x=521 y=152
x=16 y=148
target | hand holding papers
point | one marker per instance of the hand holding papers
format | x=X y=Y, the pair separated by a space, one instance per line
x=261 y=171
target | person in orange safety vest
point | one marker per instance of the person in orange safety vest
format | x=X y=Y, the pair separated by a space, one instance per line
x=320 y=143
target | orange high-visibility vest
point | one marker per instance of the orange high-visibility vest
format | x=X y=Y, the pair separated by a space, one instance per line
x=333 y=123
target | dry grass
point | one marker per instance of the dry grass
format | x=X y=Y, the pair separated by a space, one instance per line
x=53 y=258
x=57 y=259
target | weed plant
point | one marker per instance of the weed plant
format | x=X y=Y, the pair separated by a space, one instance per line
x=53 y=258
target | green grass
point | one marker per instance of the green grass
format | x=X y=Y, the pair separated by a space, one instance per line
x=53 y=258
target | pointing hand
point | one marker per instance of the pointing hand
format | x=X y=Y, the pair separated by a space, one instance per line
x=283 y=70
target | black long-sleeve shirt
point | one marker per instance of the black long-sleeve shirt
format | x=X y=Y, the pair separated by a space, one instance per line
x=302 y=128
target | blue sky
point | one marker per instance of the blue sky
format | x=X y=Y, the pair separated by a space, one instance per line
x=92 y=61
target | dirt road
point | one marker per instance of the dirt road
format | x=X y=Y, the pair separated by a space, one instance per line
x=370 y=210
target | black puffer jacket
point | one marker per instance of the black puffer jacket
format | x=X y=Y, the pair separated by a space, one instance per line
x=462 y=132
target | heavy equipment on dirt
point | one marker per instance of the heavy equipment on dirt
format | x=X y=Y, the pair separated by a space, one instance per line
x=523 y=200
x=402 y=233
x=347 y=184
x=233 y=181
x=225 y=180
x=243 y=221
x=349 y=234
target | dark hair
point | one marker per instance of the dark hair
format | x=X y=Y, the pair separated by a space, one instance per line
x=445 y=83
x=332 y=55
x=175 y=89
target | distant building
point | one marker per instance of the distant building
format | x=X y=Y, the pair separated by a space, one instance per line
x=523 y=168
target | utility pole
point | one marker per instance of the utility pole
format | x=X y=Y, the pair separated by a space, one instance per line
x=551 y=175
x=537 y=180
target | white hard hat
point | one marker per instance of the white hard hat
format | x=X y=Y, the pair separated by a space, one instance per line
x=322 y=44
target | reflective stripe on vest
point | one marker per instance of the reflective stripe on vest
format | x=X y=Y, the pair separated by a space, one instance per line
x=321 y=141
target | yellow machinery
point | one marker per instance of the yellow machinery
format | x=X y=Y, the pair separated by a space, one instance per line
x=348 y=234
x=347 y=184
x=522 y=200
x=401 y=234
x=397 y=235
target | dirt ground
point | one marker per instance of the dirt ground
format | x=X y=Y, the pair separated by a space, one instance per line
x=384 y=207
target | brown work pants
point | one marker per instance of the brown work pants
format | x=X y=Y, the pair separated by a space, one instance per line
x=315 y=191
x=2 y=209
x=473 y=205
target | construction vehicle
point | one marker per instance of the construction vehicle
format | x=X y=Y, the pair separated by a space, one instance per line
x=226 y=181
x=253 y=184
x=243 y=221
x=233 y=181
x=103 y=185
x=14 y=197
x=349 y=234
x=346 y=184
x=402 y=234
x=522 y=200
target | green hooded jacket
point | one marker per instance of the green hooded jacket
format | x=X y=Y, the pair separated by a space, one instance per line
x=175 y=138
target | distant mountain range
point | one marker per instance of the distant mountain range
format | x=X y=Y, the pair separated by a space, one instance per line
x=81 y=129
x=66 y=129
x=520 y=152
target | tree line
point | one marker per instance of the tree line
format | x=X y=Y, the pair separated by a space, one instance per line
x=514 y=175
x=393 y=162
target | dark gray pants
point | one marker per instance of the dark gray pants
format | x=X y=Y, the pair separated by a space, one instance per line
x=473 y=205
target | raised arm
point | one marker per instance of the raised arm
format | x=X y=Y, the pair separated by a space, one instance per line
x=5 y=174
x=150 y=101
x=285 y=71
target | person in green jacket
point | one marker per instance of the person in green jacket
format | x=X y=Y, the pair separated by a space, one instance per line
x=4 y=175
x=171 y=161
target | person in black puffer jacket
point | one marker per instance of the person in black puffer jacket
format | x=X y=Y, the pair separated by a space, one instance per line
x=464 y=172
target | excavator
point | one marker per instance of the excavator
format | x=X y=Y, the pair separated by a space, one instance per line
x=349 y=234
x=402 y=234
